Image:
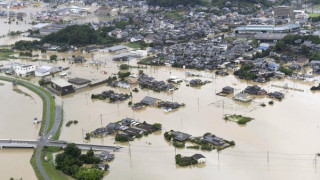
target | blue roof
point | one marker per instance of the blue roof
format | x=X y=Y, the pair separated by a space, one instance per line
x=263 y=47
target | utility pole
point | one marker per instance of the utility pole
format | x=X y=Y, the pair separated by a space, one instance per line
x=101 y=119
x=87 y=97
x=118 y=107
x=198 y=104
x=223 y=107
x=83 y=135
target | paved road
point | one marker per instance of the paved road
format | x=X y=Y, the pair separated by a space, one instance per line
x=31 y=144
x=43 y=138
x=57 y=120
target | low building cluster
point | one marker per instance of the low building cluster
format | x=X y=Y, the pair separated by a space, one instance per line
x=127 y=129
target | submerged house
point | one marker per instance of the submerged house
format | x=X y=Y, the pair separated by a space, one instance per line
x=227 y=90
x=180 y=136
x=276 y=95
x=199 y=158
x=242 y=97
x=213 y=140
x=105 y=156
x=255 y=90
x=62 y=87
x=150 y=101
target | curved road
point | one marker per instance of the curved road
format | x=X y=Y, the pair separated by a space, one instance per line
x=44 y=138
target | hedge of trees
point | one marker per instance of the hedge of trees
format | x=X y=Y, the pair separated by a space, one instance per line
x=244 y=72
x=71 y=160
x=182 y=162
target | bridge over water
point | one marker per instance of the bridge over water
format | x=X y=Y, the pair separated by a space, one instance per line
x=10 y=143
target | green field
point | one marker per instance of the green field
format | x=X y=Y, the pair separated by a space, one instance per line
x=6 y=54
x=314 y=15
x=134 y=45
x=175 y=15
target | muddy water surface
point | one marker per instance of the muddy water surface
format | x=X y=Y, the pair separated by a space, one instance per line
x=288 y=130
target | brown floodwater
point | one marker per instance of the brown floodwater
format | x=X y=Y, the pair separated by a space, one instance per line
x=288 y=130
x=287 y=127
x=16 y=163
x=16 y=122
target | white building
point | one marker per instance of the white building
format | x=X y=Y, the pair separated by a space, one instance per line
x=242 y=97
x=25 y=70
x=46 y=70
x=199 y=158
x=123 y=85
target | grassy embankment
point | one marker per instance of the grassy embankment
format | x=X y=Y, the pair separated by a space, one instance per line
x=6 y=54
x=48 y=166
x=314 y=15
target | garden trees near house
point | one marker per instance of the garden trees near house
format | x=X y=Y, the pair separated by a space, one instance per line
x=88 y=136
x=124 y=67
x=286 y=71
x=157 y=126
x=86 y=174
x=122 y=75
x=71 y=160
x=305 y=50
x=53 y=57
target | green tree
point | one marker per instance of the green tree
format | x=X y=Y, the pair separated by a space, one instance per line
x=305 y=50
x=89 y=174
x=124 y=66
x=72 y=150
x=88 y=136
x=280 y=45
x=157 y=126
x=53 y=57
